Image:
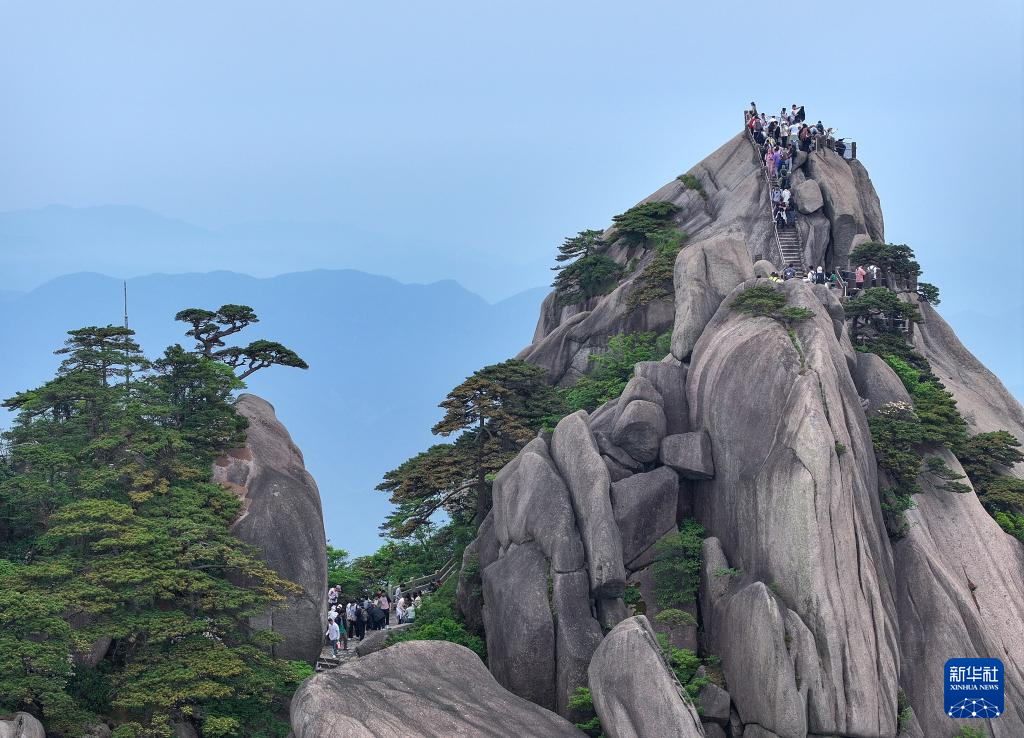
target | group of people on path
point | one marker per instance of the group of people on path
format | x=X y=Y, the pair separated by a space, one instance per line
x=864 y=276
x=354 y=618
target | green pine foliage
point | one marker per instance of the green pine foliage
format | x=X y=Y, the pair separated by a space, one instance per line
x=109 y=522
x=612 y=370
x=639 y=223
x=437 y=620
x=590 y=272
x=941 y=422
x=986 y=458
x=655 y=281
x=676 y=566
x=893 y=259
x=896 y=434
x=582 y=703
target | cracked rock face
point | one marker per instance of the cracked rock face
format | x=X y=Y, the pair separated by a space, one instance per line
x=282 y=517
x=791 y=511
x=960 y=592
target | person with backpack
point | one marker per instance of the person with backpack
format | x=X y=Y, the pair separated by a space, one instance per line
x=858 y=277
x=385 y=606
x=819 y=275
x=789 y=273
x=350 y=619
x=361 y=617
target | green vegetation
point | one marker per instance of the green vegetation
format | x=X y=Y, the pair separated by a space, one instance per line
x=591 y=273
x=840 y=448
x=949 y=479
x=928 y=292
x=640 y=222
x=211 y=327
x=904 y=712
x=727 y=571
x=692 y=183
x=878 y=310
x=612 y=370
x=941 y=422
x=437 y=620
x=893 y=259
x=896 y=434
x=674 y=618
x=985 y=457
x=582 y=702
x=766 y=300
x=633 y=599
x=655 y=281
x=968 y=732
x=109 y=521
x=676 y=566
x=495 y=412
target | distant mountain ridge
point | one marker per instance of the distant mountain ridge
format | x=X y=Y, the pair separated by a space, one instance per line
x=382 y=355
x=42 y=244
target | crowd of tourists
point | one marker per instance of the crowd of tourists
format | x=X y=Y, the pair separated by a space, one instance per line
x=353 y=619
x=780 y=139
x=863 y=277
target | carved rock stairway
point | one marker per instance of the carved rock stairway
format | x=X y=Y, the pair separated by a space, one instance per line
x=792 y=249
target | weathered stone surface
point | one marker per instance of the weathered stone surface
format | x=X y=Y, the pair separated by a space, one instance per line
x=713 y=730
x=764 y=268
x=807 y=197
x=281 y=516
x=21 y=725
x=635 y=694
x=750 y=638
x=185 y=730
x=814 y=232
x=756 y=731
x=639 y=430
x=960 y=593
x=877 y=383
x=616 y=471
x=689 y=454
x=479 y=554
x=645 y=509
x=792 y=512
x=375 y=640
x=980 y=397
x=575 y=453
x=639 y=388
x=518 y=623
x=669 y=378
x=531 y=503
x=868 y=201
x=577 y=635
x=714 y=702
x=421 y=689
x=842 y=204
x=736 y=197
x=705 y=272
x=609 y=449
x=610 y=612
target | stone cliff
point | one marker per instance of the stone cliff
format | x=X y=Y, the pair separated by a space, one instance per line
x=821 y=621
x=282 y=517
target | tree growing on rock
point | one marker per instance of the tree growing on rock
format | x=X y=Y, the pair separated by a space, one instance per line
x=493 y=413
x=211 y=327
x=642 y=221
x=877 y=310
x=895 y=260
x=590 y=272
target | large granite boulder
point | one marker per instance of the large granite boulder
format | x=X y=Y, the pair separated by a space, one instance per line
x=635 y=694
x=689 y=454
x=479 y=554
x=639 y=429
x=795 y=513
x=519 y=626
x=21 y=725
x=575 y=453
x=842 y=200
x=807 y=196
x=705 y=272
x=815 y=233
x=959 y=594
x=281 y=516
x=645 y=509
x=878 y=383
x=869 y=202
x=669 y=379
x=419 y=689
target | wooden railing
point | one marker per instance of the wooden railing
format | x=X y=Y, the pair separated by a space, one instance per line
x=438 y=577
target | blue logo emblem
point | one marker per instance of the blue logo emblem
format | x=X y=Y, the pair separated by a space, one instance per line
x=974 y=688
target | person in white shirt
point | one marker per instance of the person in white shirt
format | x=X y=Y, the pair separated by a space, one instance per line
x=786 y=194
x=333 y=635
x=400 y=609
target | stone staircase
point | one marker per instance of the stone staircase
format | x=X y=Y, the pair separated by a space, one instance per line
x=792 y=249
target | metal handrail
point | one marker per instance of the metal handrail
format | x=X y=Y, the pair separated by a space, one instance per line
x=768 y=190
x=439 y=576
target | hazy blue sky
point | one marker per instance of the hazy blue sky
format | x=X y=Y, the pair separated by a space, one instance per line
x=480 y=134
